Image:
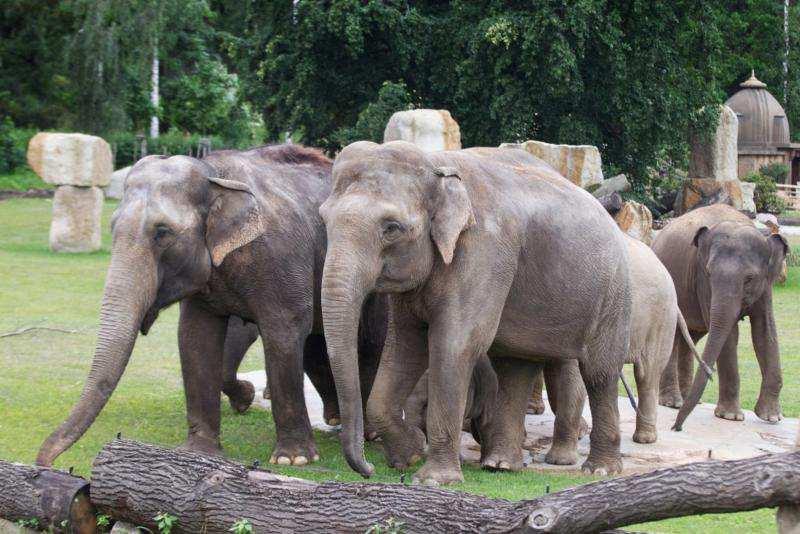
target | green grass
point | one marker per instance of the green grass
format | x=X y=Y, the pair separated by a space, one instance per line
x=22 y=179
x=42 y=373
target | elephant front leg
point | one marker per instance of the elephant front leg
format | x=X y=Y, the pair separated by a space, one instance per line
x=728 y=369
x=295 y=441
x=404 y=360
x=765 y=343
x=504 y=434
x=238 y=338
x=201 y=337
x=536 y=402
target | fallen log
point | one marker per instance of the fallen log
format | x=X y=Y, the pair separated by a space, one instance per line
x=44 y=498
x=135 y=482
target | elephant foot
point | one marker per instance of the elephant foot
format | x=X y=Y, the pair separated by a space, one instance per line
x=434 y=474
x=296 y=453
x=768 y=410
x=201 y=445
x=583 y=428
x=502 y=458
x=729 y=411
x=535 y=406
x=671 y=399
x=562 y=454
x=602 y=466
x=645 y=434
x=240 y=395
x=405 y=448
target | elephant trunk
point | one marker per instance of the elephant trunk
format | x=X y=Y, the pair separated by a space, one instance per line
x=344 y=288
x=723 y=315
x=129 y=291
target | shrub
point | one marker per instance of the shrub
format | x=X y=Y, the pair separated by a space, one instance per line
x=127 y=147
x=766 y=193
x=777 y=171
x=373 y=118
x=12 y=155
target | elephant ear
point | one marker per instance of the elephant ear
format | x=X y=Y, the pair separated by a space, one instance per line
x=779 y=249
x=703 y=230
x=453 y=212
x=234 y=218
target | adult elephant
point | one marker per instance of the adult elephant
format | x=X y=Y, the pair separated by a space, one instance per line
x=723 y=269
x=481 y=250
x=236 y=234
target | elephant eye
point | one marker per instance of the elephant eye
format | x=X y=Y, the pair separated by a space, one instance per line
x=392 y=229
x=162 y=232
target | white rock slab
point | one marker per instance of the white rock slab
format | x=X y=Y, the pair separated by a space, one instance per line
x=116 y=187
x=580 y=164
x=703 y=436
x=71 y=159
x=429 y=129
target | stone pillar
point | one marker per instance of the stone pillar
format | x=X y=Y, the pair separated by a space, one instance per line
x=717 y=158
x=429 y=129
x=79 y=165
x=580 y=164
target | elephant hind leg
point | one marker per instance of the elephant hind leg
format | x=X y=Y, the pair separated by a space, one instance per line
x=677 y=376
x=647 y=389
x=567 y=396
x=317 y=366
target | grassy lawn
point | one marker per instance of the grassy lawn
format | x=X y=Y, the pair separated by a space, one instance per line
x=42 y=373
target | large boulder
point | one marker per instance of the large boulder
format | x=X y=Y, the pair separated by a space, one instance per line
x=748 y=196
x=716 y=158
x=615 y=184
x=76 y=219
x=71 y=159
x=636 y=220
x=699 y=192
x=116 y=187
x=429 y=129
x=580 y=164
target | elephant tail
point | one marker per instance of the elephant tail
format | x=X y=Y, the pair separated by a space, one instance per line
x=684 y=330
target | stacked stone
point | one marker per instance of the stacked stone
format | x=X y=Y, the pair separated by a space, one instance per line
x=79 y=165
x=429 y=129
x=713 y=175
x=580 y=164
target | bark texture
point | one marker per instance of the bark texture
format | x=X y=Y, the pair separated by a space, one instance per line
x=134 y=482
x=51 y=497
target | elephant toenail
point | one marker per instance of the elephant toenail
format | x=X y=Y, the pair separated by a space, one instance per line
x=504 y=465
x=300 y=460
x=316 y=458
x=333 y=421
x=284 y=460
x=273 y=459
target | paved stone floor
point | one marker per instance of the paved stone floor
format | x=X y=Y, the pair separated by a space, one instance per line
x=704 y=436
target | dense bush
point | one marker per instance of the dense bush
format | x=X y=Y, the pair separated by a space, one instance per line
x=372 y=120
x=766 y=193
x=777 y=171
x=13 y=145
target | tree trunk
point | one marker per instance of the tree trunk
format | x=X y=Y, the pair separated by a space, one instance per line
x=154 y=94
x=134 y=482
x=51 y=498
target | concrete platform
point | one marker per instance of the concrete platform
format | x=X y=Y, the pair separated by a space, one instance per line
x=704 y=436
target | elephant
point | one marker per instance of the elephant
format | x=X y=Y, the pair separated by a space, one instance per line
x=656 y=325
x=723 y=269
x=481 y=251
x=237 y=233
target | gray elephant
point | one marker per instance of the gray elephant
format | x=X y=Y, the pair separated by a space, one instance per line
x=236 y=234
x=482 y=251
x=723 y=269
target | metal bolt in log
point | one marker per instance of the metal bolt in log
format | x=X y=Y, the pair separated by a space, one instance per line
x=52 y=498
x=135 y=481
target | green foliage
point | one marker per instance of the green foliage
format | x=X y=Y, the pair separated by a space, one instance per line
x=11 y=156
x=766 y=193
x=31 y=523
x=165 y=522
x=372 y=120
x=392 y=526
x=127 y=146
x=778 y=172
x=103 y=522
x=242 y=526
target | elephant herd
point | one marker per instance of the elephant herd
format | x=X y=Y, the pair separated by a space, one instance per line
x=416 y=289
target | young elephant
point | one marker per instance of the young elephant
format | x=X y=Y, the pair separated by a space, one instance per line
x=656 y=325
x=723 y=269
x=482 y=251
x=236 y=234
